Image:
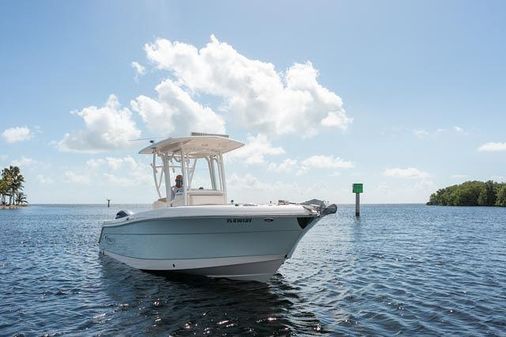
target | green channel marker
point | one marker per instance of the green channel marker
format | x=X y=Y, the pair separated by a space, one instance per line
x=357 y=189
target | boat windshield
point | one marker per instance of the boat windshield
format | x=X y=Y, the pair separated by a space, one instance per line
x=204 y=175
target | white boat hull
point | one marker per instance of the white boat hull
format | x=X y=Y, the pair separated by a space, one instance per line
x=246 y=243
x=247 y=268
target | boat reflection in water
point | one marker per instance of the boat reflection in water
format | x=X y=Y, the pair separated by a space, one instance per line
x=192 y=229
x=184 y=305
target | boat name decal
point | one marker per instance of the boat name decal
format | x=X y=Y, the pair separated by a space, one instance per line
x=238 y=220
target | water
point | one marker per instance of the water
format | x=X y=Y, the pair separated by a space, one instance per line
x=400 y=270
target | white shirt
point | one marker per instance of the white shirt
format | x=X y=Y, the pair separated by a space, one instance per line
x=174 y=191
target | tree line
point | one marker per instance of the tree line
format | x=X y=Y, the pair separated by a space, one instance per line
x=471 y=193
x=11 y=187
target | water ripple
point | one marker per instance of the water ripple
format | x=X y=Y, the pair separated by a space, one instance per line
x=399 y=270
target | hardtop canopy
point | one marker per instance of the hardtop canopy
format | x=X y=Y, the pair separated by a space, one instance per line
x=195 y=145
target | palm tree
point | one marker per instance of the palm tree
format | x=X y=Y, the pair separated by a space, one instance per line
x=20 y=198
x=14 y=180
x=4 y=188
x=6 y=184
x=17 y=181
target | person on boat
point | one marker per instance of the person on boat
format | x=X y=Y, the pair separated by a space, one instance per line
x=178 y=188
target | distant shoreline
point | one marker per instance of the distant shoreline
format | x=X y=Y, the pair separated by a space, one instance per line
x=12 y=206
x=471 y=193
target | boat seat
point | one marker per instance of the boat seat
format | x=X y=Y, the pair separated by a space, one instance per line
x=162 y=202
x=195 y=197
x=205 y=197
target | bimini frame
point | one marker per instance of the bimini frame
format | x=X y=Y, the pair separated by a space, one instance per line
x=183 y=154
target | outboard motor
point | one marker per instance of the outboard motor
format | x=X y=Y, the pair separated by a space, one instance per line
x=123 y=213
x=322 y=206
x=328 y=210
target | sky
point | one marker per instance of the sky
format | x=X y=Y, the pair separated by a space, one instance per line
x=404 y=96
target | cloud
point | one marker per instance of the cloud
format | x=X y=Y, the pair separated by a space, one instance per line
x=285 y=166
x=460 y=176
x=113 y=163
x=117 y=171
x=323 y=162
x=17 y=134
x=120 y=171
x=175 y=109
x=76 y=178
x=106 y=128
x=247 y=182
x=492 y=147
x=313 y=162
x=42 y=179
x=319 y=162
x=23 y=162
x=249 y=188
x=140 y=70
x=255 y=150
x=421 y=133
x=410 y=179
x=253 y=93
x=410 y=173
x=334 y=119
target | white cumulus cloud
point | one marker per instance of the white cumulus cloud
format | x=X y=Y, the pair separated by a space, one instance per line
x=23 y=162
x=255 y=150
x=76 y=178
x=175 y=109
x=138 y=68
x=111 y=171
x=44 y=180
x=409 y=172
x=285 y=166
x=120 y=171
x=247 y=182
x=253 y=93
x=17 y=134
x=323 y=162
x=492 y=147
x=106 y=128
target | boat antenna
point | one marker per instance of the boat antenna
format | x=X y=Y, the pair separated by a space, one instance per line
x=151 y=139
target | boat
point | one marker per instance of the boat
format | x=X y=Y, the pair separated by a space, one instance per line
x=197 y=230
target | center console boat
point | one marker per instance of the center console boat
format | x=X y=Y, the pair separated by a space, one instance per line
x=198 y=231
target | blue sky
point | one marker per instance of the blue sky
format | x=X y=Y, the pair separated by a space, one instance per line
x=422 y=86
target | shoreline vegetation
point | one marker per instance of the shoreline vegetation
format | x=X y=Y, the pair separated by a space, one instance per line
x=11 y=187
x=12 y=206
x=471 y=193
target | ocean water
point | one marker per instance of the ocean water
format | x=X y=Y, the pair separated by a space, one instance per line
x=400 y=270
